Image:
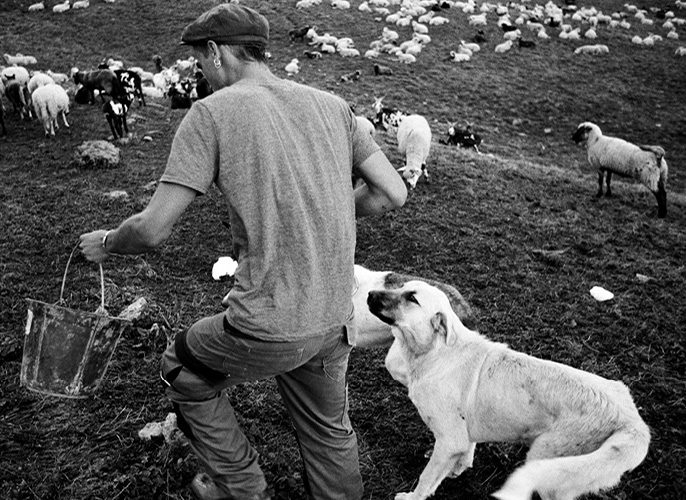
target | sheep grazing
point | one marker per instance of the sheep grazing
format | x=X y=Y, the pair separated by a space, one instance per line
x=103 y=80
x=414 y=141
x=385 y=117
x=613 y=155
x=115 y=114
x=18 y=94
x=464 y=138
x=50 y=101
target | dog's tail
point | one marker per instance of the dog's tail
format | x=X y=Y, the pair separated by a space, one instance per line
x=572 y=476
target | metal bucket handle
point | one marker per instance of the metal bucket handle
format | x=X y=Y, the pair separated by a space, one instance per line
x=101 y=309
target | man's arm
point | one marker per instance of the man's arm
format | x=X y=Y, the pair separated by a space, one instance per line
x=144 y=231
x=384 y=188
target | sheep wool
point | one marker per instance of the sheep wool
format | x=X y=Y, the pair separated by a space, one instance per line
x=48 y=102
x=613 y=155
x=414 y=141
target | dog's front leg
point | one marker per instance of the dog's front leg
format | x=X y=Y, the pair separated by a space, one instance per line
x=464 y=462
x=443 y=461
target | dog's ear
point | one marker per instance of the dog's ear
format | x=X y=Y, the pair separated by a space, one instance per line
x=443 y=326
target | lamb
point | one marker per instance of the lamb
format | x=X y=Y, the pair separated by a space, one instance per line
x=503 y=47
x=58 y=77
x=115 y=114
x=49 y=101
x=299 y=33
x=61 y=7
x=18 y=94
x=81 y=4
x=292 y=67
x=103 y=80
x=414 y=141
x=34 y=7
x=19 y=60
x=382 y=70
x=38 y=80
x=614 y=155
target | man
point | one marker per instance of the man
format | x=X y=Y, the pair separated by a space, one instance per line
x=283 y=155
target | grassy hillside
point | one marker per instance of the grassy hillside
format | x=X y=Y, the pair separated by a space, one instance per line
x=517 y=230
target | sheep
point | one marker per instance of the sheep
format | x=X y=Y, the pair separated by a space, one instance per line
x=61 y=7
x=19 y=60
x=382 y=70
x=414 y=142
x=348 y=52
x=340 y=4
x=592 y=49
x=503 y=47
x=18 y=73
x=50 y=101
x=680 y=51
x=312 y=54
x=81 y=4
x=180 y=95
x=103 y=80
x=459 y=56
x=464 y=138
x=18 y=94
x=35 y=7
x=292 y=67
x=351 y=77
x=406 y=58
x=115 y=114
x=613 y=155
x=39 y=79
x=58 y=77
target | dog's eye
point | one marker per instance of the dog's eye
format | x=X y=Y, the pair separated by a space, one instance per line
x=411 y=298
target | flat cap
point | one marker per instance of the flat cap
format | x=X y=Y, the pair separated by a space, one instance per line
x=227 y=23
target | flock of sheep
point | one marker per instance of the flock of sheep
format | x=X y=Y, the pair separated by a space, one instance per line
x=43 y=94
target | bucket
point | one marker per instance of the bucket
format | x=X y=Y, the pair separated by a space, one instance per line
x=67 y=351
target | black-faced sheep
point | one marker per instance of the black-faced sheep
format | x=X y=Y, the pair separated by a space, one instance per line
x=613 y=155
x=299 y=33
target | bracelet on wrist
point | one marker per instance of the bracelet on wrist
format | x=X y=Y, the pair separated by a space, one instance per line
x=104 y=243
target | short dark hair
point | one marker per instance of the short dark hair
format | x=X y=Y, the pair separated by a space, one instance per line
x=250 y=52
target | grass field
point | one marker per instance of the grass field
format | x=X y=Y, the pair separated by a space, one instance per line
x=516 y=229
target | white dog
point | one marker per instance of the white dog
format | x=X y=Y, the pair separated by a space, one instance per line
x=584 y=431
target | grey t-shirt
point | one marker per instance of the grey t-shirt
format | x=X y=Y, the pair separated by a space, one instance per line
x=283 y=155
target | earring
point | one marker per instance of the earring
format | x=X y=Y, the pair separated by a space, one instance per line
x=217 y=63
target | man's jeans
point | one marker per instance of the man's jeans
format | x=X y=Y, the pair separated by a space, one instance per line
x=311 y=377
